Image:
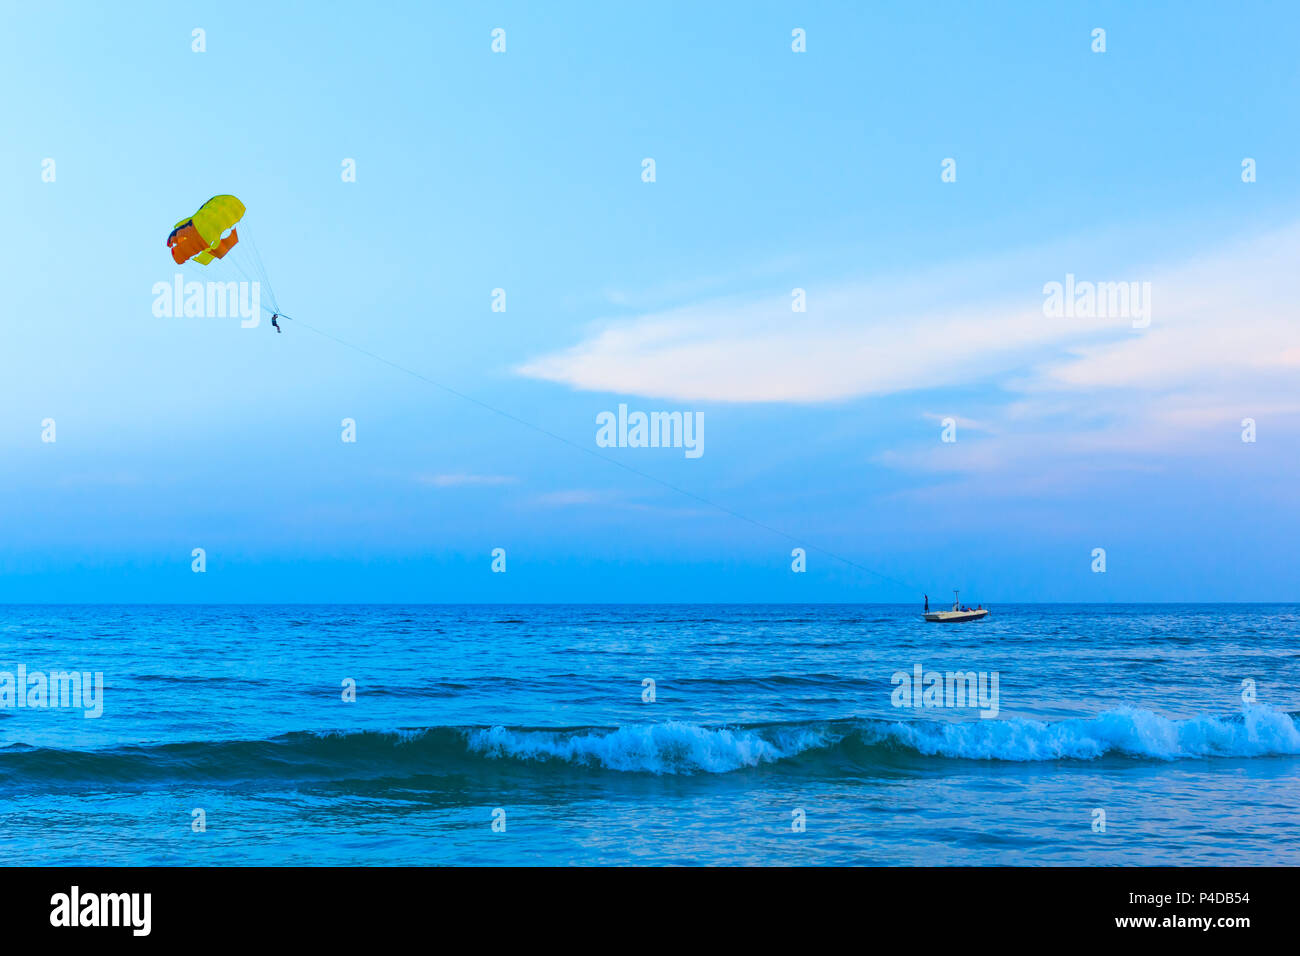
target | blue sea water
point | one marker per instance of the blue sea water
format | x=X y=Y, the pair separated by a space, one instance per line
x=774 y=737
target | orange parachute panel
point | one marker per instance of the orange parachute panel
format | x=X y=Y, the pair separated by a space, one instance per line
x=185 y=242
x=225 y=245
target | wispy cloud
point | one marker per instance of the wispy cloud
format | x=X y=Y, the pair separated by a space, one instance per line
x=459 y=480
x=1223 y=318
x=1223 y=344
x=573 y=496
x=608 y=500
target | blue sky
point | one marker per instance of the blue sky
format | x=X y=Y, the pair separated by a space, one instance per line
x=775 y=170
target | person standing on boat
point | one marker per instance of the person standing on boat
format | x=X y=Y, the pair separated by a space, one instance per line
x=927 y=601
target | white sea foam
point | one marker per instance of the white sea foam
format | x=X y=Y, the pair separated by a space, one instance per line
x=680 y=747
x=1257 y=731
x=670 y=747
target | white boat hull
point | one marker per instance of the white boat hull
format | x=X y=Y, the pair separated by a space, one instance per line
x=955 y=617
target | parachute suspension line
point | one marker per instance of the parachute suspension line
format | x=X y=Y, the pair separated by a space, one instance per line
x=254 y=263
x=599 y=457
x=210 y=236
x=244 y=272
x=228 y=263
x=256 y=259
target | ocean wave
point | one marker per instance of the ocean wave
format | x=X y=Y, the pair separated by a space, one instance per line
x=670 y=747
x=675 y=747
x=855 y=745
x=1257 y=731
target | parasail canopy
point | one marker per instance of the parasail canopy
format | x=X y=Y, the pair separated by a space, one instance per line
x=203 y=236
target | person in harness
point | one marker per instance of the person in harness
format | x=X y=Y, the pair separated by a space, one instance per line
x=274 y=324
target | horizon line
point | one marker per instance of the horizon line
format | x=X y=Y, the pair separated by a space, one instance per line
x=612 y=603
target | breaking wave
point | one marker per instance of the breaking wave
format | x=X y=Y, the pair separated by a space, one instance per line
x=671 y=747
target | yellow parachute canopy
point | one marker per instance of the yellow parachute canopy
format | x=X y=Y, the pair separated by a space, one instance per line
x=202 y=237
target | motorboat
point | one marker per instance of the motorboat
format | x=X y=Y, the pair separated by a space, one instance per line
x=958 y=614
